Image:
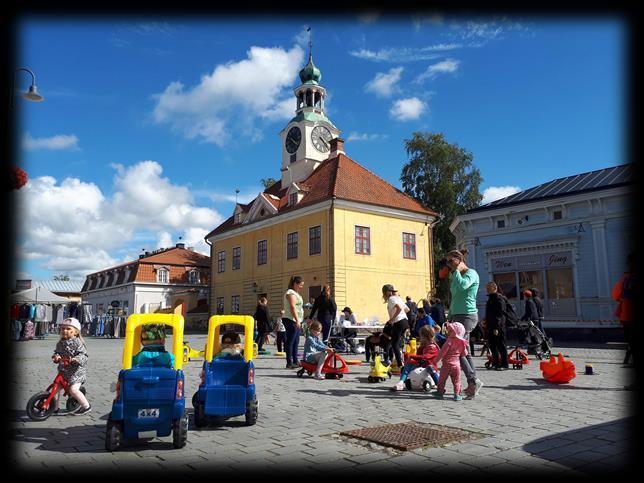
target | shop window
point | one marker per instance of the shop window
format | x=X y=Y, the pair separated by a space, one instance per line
x=507 y=284
x=561 y=300
x=500 y=223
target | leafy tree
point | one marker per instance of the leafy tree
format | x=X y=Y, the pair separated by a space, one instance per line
x=442 y=177
x=268 y=182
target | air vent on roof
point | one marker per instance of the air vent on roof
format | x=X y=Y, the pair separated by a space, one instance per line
x=147 y=253
x=141 y=256
x=181 y=245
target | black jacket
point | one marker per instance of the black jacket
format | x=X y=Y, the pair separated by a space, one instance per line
x=530 y=311
x=437 y=313
x=325 y=308
x=539 y=305
x=495 y=312
x=262 y=316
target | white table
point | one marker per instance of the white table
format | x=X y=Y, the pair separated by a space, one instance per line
x=363 y=331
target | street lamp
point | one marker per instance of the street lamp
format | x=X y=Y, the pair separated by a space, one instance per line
x=32 y=93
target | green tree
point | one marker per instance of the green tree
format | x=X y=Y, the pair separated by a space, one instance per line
x=268 y=182
x=442 y=177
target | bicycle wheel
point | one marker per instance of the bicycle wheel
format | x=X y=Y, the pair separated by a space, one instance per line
x=72 y=404
x=35 y=409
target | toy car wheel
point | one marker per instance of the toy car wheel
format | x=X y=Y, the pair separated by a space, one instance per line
x=408 y=384
x=180 y=432
x=339 y=376
x=426 y=386
x=389 y=374
x=370 y=379
x=488 y=365
x=113 y=434
x=195 y=400
x=34 y=407
x=300 y=373
x=251 y=412
x=72 y=404
x=201 y=419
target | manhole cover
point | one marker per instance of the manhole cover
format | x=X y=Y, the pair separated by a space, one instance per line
x=411 y=435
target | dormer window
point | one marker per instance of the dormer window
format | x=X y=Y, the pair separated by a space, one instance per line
x=193 y=277
x=163 y=275
x=238 y=217
x=292 y=199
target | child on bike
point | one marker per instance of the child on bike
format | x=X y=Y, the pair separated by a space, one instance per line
x=71 y=347
x=454 y=347
x=428 y=350
x=315 y=351
x=153 y=353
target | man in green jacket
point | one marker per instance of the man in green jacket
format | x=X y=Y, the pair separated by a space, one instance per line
x=464 y=284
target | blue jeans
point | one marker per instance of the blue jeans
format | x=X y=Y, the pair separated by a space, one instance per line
x=292 y=341
x=326 y=329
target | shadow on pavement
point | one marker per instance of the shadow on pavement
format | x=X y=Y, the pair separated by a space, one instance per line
x=613 y=454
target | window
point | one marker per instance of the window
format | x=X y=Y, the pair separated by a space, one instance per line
x=557 y=215
x=315 y=240
x=220 y=305
x=292 y=199
x=193 y=277
x=409 y=246
x=507 y=284
x=236 y=258
x=500 y=223
x=221 y=262
x=234 y=304
x=162 y=275
x=363 y=244
x=291 y=245
x=238 y=217
x=262 y=252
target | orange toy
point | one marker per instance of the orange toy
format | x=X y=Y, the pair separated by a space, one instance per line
x=559 y=371
x=517 y=358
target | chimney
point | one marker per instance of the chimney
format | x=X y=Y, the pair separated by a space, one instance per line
x=141 y=256
x=192 y=249
x=337 y=147
x=147 y=253
x=181 y=245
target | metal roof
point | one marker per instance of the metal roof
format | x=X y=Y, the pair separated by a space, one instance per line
x=578 y=183
x=65 y=286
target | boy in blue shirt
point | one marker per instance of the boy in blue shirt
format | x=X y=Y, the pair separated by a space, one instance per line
x=422 y=320
x=153 y=353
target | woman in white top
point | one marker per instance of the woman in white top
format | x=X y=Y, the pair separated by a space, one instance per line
x=397 y=310
x=292 y=320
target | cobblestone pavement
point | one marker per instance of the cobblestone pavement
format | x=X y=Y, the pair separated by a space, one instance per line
x=525 y=424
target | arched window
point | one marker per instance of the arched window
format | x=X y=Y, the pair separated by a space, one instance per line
x=163 y=275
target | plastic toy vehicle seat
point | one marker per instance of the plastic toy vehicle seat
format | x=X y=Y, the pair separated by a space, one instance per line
x=227 y=386
x=559 y=370
x=379 y=371
x=517 y=358
x=421 y=377
x=149 y=398
x=334 y=367
x=189 y=353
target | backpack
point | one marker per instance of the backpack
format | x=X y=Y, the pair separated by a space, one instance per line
x=511 y=317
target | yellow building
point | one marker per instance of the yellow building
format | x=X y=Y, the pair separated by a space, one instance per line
x=328 y=219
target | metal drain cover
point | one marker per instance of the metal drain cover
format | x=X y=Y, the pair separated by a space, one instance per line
x=411 y=435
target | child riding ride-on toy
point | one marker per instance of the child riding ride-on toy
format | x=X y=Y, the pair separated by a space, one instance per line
x=42 y=404
x=227 y=386
x=334 y=367
x=150 y=387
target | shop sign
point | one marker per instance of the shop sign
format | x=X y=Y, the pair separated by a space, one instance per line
x=527 y=262
x=558 y=259
x=503 y=264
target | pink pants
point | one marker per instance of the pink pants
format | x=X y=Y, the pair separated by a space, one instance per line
x=452 y=370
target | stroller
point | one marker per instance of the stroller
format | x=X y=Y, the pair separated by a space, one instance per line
x=527 y=334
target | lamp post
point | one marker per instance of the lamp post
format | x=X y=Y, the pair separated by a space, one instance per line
x=32 y=93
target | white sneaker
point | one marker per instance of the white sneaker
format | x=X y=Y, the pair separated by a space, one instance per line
x=399 y=386
x=479 y=385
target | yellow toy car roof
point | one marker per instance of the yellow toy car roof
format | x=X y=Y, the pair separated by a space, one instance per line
x=133 y=327
x=214 y=324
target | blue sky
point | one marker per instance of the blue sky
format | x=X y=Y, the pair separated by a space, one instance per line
x=150 y=123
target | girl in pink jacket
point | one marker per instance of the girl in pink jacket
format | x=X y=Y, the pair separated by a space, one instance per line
x=453 y=349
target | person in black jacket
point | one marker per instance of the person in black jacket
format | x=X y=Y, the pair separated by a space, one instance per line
x=530 y=313
x=437 y=311
x=262 y=317
x=539 y=305
x=325 y=308
x=495 y=326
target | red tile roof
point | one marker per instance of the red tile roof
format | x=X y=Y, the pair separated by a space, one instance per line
x=342 y=178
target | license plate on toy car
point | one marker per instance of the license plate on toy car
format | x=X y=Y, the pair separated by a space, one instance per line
x=149 y=413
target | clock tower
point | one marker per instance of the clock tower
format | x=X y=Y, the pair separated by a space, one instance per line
x=307 y=137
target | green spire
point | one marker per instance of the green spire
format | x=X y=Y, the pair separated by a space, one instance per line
x=310 y=74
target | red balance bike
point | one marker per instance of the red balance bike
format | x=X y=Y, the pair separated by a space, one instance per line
x=42 y=404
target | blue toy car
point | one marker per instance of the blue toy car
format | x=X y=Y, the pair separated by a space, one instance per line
x=227 y=386
x=149 y=398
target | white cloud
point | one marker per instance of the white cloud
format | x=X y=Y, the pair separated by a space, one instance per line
x=233 y=97
x=494 y=193
x=384 y=84
x=354 y=136
x=404 y=54
x=54 y=143
x=447 y=66
x=407 y=109
x=72 y=226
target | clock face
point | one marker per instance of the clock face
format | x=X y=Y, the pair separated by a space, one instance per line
x=321 y=138
x=293 y=139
